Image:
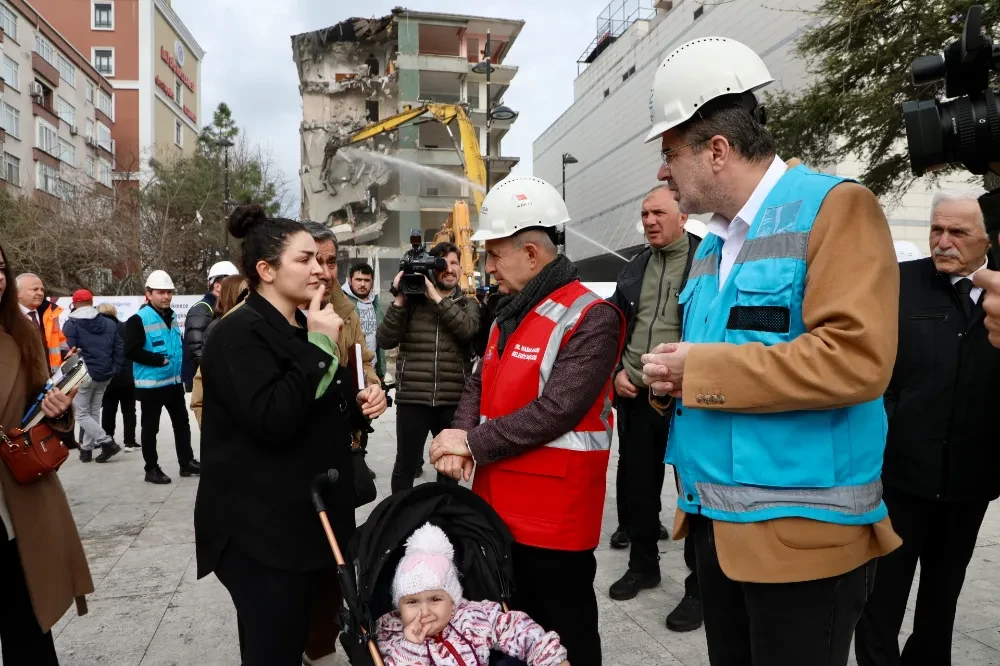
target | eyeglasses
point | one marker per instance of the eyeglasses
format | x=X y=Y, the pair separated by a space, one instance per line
x=665 y=155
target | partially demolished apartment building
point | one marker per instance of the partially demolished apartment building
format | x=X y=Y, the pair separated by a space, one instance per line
x=362 y=71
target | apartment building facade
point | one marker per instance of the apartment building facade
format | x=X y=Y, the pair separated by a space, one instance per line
x=154 y=65
x=56 y=111
x=605 y=125
x=362 y=71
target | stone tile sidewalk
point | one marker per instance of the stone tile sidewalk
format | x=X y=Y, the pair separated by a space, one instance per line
x=148 y=608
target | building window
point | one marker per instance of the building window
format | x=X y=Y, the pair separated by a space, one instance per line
x=65 y=111
x=631 y=70
x=67 y=191
x=12 y=169
x=104 y=173
x=48 y=179
x=178 y=133
x=48 y=138
x=90 y=91
x=106 y=104
x=90 y=134
x=11 y=121
x=698 y=12
x=67 y=152
x=104 y=137
x=91 y=165
x=104 y=61
x=179 y=92
x=10 y=73
x=67 y=72
x=8 y=21
x=104 y=16
x=607 y=91
x=43 y=47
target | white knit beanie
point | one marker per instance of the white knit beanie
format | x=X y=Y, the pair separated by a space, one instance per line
x=429 y=564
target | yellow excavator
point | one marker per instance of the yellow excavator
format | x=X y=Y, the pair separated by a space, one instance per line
x=457 y=228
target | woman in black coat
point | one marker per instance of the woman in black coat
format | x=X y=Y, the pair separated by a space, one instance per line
x=276 y=413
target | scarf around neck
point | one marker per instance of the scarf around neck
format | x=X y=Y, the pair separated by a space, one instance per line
x=513 y=308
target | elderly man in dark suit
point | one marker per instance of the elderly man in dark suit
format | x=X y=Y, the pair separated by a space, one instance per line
x=941 y=458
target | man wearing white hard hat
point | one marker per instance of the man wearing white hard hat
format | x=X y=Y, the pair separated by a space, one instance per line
x=535 y=420
x=153 y=343
x=788 y=341
x=199 y=317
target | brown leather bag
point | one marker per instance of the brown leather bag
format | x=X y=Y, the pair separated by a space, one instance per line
x=33 y=454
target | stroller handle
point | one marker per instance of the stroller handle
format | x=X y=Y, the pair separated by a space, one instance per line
x=319 y=484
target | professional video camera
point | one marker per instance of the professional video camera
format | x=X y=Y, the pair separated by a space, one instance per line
x=965 y=128
x=417 y=264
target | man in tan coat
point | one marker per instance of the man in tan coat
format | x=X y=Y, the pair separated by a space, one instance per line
x=789 y=338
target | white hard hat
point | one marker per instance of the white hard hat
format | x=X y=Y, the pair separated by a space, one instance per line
x=159 y=280
x=697 y=72
x=906 y=251
x=516 y=203
x=222 y=269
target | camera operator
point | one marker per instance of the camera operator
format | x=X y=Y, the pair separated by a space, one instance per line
x=433 y=332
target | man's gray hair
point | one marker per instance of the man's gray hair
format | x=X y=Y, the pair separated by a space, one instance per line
x=539 y=236
x=969 y=194
x=320 y=232
x=24 y=276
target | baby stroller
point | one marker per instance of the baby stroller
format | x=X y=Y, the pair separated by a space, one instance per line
x=482 y=554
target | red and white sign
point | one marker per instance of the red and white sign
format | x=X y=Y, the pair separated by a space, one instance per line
x=162 y=85
x=175 y=68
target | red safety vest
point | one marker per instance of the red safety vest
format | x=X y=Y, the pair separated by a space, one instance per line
x=553 y=496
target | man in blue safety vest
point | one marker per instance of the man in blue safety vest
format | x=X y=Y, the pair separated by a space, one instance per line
x=153 y=343
x=788 y=340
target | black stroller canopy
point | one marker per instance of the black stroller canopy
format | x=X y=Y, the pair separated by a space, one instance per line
x=481 y=539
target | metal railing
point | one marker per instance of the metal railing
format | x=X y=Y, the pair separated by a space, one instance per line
x=612 y=23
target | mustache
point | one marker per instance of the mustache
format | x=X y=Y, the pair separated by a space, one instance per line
x=950 y=252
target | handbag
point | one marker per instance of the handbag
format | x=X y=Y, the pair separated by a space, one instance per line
x=34 y=453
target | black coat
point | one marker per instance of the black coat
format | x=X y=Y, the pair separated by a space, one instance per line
x=196 y=323
x=126 y=377
x=264 y=438
x=942 y=398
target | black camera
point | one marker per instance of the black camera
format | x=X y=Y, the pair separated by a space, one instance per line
x=418 y=264
x=966 y=128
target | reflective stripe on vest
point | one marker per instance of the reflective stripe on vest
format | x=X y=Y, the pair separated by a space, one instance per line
x=851 y=500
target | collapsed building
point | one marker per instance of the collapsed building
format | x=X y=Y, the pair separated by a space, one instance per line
x=362 y=71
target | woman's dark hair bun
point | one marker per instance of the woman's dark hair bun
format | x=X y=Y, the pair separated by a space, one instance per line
x=245 y=218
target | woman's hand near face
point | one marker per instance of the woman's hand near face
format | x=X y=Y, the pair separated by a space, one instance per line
x=322 y=318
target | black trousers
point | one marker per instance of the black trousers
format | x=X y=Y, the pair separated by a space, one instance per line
x=777 y=624
x=556 y=588
x=942 y=537
x=153 y=401
x=413 y=423
x=113 y=397
x=21 y=639
x=274 y=608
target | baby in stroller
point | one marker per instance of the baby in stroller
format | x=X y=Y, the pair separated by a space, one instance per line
x=433 y=624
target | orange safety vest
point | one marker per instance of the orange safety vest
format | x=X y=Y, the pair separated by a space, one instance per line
x=55 y=340
x=553 y=496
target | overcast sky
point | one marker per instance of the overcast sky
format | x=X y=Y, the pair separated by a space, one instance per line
x=248 y=62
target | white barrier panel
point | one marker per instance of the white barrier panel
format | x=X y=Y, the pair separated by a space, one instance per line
x=129 y=305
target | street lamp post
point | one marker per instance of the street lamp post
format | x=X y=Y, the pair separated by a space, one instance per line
x=226 y=144
x=566 y=159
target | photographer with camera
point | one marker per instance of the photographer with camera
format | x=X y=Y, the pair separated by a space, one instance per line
x=433 y=327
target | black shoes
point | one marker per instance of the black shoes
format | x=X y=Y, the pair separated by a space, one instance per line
x=193 y=468
x=157 y=476
x=687 y=616
x=628 y=586
x=108 y=450
x=86 y=456
x=619 y=539
x=664 y=533
x=132 y=446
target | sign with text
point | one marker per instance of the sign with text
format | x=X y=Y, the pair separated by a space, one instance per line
x=129 y=305
x=166 y=57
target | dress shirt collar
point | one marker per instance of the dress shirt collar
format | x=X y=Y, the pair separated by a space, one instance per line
x=719 y=225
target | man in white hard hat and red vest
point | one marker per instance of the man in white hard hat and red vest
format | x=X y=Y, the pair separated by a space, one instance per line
x=199 y=316
x=535 y=420
x=787 y=345
x=153 y=343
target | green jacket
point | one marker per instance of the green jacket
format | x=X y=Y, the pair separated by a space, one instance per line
x=379 y=315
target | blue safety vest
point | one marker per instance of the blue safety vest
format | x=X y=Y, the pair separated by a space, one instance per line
x=819 y=464
x=159 y=340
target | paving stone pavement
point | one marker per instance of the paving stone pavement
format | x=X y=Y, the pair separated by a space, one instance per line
x=149 y=609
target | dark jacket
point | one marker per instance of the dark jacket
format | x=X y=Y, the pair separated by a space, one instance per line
x=135 y=340
x=97 y=339
x=199 y=316
x=265 y=436
x=943 y=394
x=435 y=348
x=629 y=287
x=125 y=377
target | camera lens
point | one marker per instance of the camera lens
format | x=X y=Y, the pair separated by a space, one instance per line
x=964 y=130
x=927 y=69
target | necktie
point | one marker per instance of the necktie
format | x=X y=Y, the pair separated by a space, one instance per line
x=964 y=289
